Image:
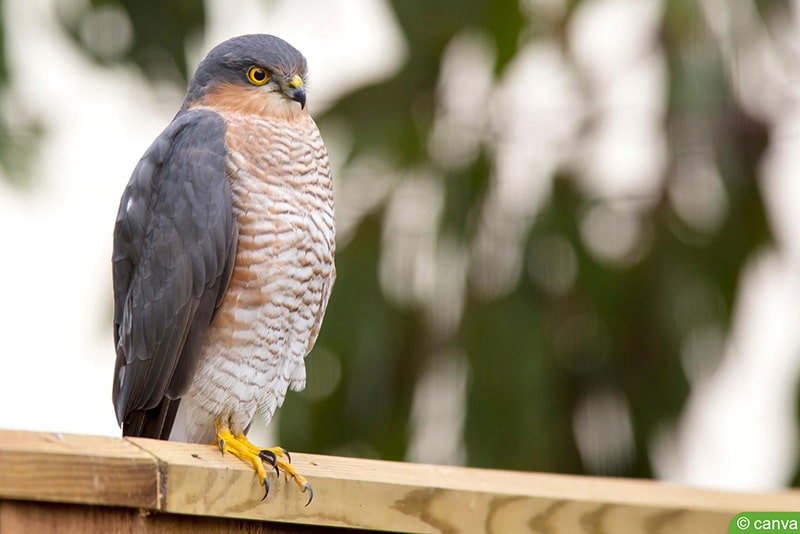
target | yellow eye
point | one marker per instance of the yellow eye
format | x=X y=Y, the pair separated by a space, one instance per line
x=257 y=75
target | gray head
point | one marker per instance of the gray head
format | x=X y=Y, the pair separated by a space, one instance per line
x=247 y=61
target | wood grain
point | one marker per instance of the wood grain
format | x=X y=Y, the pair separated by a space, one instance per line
x=196 y=480
x=403 y=497
x=32 y=517
x=78 y=469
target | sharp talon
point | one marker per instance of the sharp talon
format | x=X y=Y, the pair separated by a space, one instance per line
x=269 y=457
x=266 y=489
x=278 y=457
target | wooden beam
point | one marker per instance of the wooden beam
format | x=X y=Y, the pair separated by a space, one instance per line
x=76 y=469
x=177 y=478
x=34 y=517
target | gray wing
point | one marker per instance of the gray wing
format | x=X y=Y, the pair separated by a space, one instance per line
x=174 y=246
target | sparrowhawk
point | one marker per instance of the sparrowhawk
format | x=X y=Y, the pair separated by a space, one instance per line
x=223 y=256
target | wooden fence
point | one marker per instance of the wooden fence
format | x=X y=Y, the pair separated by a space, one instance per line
x=78 y=484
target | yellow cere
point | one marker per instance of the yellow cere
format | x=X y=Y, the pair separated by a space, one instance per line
x=296 y=81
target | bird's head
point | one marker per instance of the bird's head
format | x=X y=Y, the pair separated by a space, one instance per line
x=253 y=74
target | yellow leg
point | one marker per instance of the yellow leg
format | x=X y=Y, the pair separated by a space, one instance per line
x=243 y=448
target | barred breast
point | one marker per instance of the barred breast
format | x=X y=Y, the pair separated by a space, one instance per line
x=283 y=273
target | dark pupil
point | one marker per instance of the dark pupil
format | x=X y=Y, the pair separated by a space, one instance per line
x=259 y=75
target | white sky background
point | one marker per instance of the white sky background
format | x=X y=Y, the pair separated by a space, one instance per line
x=56 y=353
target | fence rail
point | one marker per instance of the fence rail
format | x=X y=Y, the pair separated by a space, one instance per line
x=52 y=480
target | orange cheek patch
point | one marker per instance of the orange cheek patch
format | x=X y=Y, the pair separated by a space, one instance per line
x=245 y=100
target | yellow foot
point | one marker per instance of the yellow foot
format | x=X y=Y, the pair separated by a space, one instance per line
x=243 y=448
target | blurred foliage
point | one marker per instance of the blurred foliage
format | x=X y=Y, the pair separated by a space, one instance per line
x=532 y=356
x=3 y=66
x=160 y=31
x=19 y=130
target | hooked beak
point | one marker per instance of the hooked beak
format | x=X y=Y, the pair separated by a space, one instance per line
x=296 y=90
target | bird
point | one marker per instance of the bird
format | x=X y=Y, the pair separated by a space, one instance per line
x=223 y=256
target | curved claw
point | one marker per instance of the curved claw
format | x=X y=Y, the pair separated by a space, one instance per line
x=266 y=489
x=307 y=488
x=269 y=457
x=286 y=453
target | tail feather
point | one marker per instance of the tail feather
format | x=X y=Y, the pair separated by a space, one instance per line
x=154 y=423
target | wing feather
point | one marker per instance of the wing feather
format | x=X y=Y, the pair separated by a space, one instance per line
x=174 y=247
